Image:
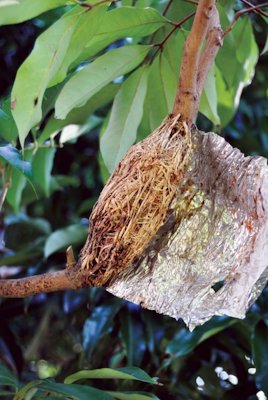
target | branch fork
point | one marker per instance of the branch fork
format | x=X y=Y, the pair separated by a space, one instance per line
x=200 y=50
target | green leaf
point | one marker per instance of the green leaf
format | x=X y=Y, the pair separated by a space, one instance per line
x=38 y=70
x=7 y=378
x=209 y=99
x=133 y=338
x=72 y=132
x=133 y=395
x=42 y=166
x=18 y=182
x=235 y=68
x=173 y=50
x=80 y=115
x=265 y=49
x=13 y=157
x=99 y=324
x=8 y=129
x=124 y=22
x=62 y=238
x=125 y=118
x=85 y=83
x=162 y=85
x=26 y=391
x=131 y=373
x=76 y=392
x=86 y=28
x=23 y=257
x=185 y=341
x=22 y=10
x=32 y=229
x=260 y=355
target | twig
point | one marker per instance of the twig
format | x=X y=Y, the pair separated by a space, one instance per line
x=240 y=13
x=257 y=10
x=187 y=101
x=70 y=278
x=176 y=26
x=90 y=6
x=44 y=283
x=167 y=7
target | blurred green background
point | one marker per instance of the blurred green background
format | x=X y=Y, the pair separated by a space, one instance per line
x=57 y=334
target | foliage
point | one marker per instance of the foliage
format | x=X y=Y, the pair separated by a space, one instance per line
x=111 y=72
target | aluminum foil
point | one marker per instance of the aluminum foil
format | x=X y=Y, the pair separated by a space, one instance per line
x=211 y=255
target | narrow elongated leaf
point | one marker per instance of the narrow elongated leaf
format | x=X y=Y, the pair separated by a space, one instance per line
x=260 y=355
x=162 y=84
x=8 y=129
x=88 y=24
x=125 y=118
x=26 y=391
x=133 y=396
x=38 y=70
x=131 y=373
x=24 y=257
x=95 y=76
x=14 y=158
x=72 y=132
x=209 y=99
x=7 y=378
x=75 y=392
x=62 y=238
x=236 y=66
x=265 y=49
x=21 y=10
x=32 y=228
x=18 y=182
x=80 y=115
x=42 y=166
x=186 y=341
x=124 y=22
x=133 y=338
x=99 y=324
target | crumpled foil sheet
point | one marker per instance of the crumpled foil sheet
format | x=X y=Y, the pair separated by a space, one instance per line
x=211 y=255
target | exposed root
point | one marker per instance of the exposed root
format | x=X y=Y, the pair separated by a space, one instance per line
x=134 y=203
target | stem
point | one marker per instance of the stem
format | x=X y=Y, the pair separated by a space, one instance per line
x=187 y=97
x=256 y=9
x=175 y=27
x=29 y=286
x=243 y=12
x=70 y=278
x=213 y=44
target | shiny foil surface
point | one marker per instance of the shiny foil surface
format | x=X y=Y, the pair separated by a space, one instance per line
x=211 y=255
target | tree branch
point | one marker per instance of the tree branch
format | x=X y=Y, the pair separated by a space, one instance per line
x=29 y=286
x=188 y=94
x=213 y=44
x=241 y=13
x=70 y=278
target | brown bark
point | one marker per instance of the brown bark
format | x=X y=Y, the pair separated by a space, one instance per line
x=49 y=282
x=196 y=62
x=194 y=68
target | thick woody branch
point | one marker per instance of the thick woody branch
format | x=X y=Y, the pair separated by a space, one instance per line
x=70 y=278
x=188 y=94
x=29 y=286
x=214 y=42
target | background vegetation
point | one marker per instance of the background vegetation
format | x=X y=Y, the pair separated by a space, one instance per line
x=55 y=335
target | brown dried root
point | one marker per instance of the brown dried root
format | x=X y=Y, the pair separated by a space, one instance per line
x=134 y=203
